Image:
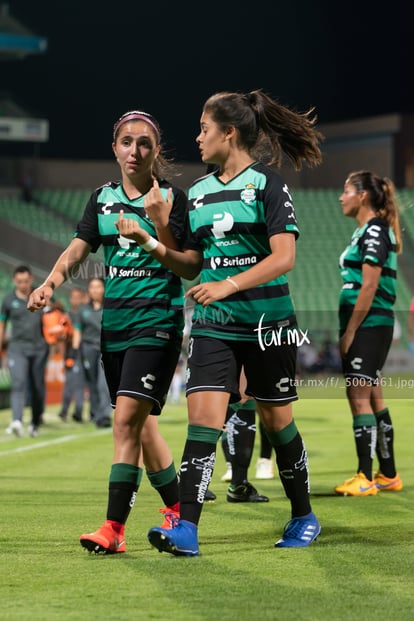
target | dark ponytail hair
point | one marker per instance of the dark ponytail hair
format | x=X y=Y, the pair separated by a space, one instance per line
x=381 y=192
x=267 y=129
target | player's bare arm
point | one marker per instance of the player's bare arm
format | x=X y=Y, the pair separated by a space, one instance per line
x=69 y=260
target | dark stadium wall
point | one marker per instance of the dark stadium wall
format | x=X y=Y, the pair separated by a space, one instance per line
x=384 y=144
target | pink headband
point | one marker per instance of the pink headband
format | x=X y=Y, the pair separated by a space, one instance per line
x=136 y=116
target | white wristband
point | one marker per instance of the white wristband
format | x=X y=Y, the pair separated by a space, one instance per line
x=150 y=244
x=233 y=282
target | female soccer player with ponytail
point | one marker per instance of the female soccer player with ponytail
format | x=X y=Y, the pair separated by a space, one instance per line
x=369 y=271
x=242 y=233
x=142 y=318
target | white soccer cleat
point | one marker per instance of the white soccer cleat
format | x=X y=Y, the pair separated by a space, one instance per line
x=15 y=427
x=265 y=468
x=228 y=474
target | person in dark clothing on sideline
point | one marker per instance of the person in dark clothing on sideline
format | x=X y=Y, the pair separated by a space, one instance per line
x=27 y=353
x=87 y=339
x=74 y=387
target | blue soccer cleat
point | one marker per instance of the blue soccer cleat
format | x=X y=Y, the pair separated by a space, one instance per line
x=300 y=532
x=181 y=540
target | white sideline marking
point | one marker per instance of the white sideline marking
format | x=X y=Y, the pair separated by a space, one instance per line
x=37 y=445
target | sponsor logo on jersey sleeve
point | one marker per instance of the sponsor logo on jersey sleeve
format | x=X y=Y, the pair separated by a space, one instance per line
x=289 y=203
x=198 y=202
x=106 y=208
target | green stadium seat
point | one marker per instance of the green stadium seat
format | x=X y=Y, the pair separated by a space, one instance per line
x=315 y=281
x=68 y=203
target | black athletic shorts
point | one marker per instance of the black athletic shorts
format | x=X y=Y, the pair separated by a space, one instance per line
x=215 y=365
x=141 y=373
x=368 y=352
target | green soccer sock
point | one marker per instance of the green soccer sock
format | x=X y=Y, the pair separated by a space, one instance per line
x=196 y=470
x=166 y=483
x=292 y=462
x=124 y=480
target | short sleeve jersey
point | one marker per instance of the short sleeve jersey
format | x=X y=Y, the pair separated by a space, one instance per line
x=373 y=243
x=26 y=327
x=143 y=303
x=230 y=224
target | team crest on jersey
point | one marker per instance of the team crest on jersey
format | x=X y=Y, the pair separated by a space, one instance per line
x=248 y=195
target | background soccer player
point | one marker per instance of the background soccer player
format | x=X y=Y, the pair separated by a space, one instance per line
x=369 y=271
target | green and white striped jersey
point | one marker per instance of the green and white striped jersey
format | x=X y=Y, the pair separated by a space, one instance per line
x=143 y=303
x=230 y=224
x=372 y=243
